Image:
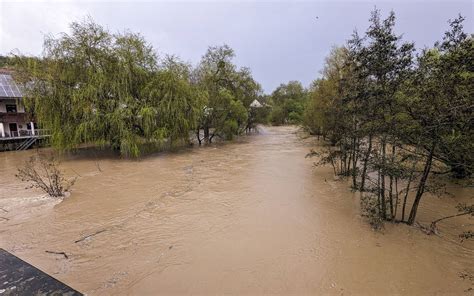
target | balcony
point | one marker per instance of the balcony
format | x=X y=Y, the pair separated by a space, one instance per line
x=22 y=134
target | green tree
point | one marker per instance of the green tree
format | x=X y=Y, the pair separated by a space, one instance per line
x=439 y=105
x=288 y=101
x=230 y=92
x=92 y=86
x=171 y=102
x=386 y=116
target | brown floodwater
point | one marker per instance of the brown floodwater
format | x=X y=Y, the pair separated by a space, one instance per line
x=249 y=217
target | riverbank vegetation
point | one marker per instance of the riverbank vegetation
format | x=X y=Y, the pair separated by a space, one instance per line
x=112 y=90
x=396 y=121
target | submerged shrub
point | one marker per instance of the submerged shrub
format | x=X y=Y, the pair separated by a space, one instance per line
x=370 y=210
x=42 y=172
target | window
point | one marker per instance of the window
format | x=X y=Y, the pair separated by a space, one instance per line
x=11 y=108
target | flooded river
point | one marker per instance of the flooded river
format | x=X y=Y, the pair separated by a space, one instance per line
x=250 y=217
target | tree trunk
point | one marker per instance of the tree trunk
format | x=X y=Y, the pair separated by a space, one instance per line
x=354 y=163
x=392 y=160
x=342 y=161
x=348 y=167
x=407 y=190
x=390 y=196
x=198 y=136
x=396 y=199
x=379 y=201
x=364 y=167
x=421 y=185
x=382 y=180
x=206 y=134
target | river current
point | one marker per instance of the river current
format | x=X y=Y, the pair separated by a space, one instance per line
x=249 y=217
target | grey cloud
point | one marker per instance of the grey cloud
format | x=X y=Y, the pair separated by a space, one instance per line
x=279 y=41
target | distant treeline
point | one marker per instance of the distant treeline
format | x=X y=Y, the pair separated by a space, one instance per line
x=288 y=103
x=112 y=90
x=395 y=118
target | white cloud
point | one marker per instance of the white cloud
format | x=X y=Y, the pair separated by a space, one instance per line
x=24 y=24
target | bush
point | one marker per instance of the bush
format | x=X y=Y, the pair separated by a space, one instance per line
x=370 y=209
x=277 y=116
x=42 y=172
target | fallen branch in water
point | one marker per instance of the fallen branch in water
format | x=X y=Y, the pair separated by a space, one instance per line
x=97 y=164
x=428 y=230
x=463 y=210
x=90 y=235
x=58 y=253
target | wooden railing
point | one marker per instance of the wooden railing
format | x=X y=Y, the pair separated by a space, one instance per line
x=25 y=134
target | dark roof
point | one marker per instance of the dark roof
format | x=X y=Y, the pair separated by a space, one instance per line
x=8 y=87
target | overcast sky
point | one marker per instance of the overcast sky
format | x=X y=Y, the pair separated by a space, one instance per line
x=278 y=40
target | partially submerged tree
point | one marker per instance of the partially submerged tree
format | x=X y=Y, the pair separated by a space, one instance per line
x=42 y=172
x=95 y=87
x=172 y=102
x=88 y=86
x=439 y=106
x=229 y=94
x=392 y=122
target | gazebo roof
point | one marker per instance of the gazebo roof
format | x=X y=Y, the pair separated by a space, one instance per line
x=256 y=104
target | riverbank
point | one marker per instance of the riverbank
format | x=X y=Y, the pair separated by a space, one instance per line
x=249 y=217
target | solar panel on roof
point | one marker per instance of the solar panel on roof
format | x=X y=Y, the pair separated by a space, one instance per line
x=8 y=87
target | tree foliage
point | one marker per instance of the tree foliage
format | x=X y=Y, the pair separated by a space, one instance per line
x=288 y=102
x=96 y=87
x=394 y=120
x=230 y=91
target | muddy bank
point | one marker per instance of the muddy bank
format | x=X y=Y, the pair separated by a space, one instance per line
x=249 y=217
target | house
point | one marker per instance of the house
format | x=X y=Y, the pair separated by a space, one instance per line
x=17 y=130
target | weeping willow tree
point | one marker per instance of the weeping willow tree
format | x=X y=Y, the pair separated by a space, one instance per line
x=173 y=103
x=91 y=86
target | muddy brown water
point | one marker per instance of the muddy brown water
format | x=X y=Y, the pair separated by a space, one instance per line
x=251 y=217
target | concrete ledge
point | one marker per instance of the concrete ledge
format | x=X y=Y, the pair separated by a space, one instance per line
x=20 y=278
